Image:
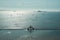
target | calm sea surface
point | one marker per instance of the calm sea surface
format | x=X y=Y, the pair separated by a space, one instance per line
x=16 y=20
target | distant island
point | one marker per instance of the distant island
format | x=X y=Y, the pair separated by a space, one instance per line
x=39 y=11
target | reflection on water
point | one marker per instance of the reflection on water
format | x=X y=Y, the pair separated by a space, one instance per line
x=15 y=20
x=25 y=35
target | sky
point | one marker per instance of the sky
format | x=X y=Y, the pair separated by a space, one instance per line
x=30 y=4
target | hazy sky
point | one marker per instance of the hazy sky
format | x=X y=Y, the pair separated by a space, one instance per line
x=30 y=4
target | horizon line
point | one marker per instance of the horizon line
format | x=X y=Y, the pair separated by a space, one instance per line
x=27 y=10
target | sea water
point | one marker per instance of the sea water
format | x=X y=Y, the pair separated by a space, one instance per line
x=17 y=20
